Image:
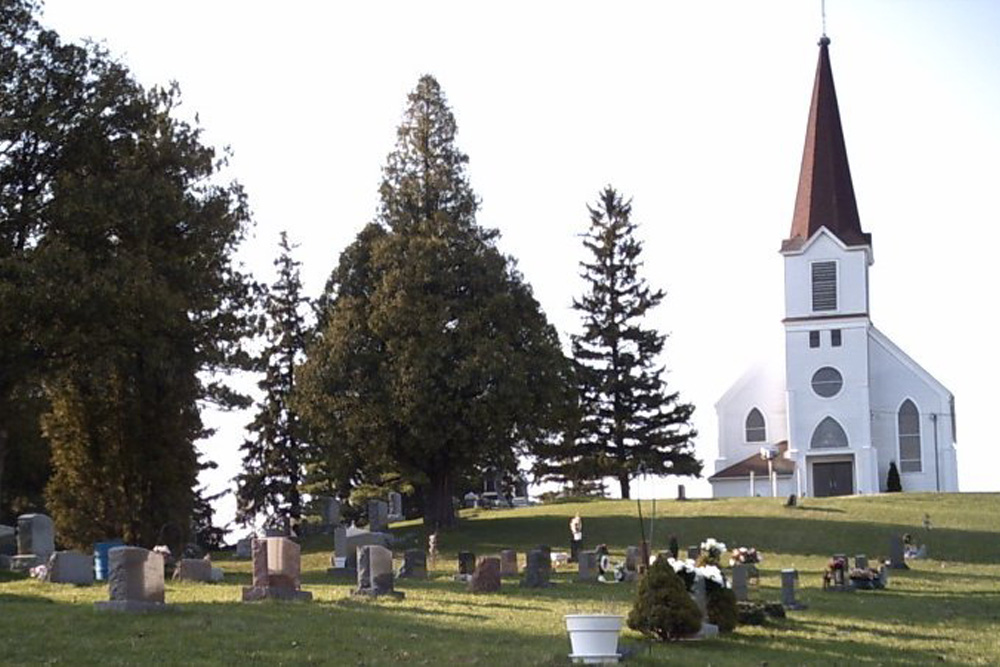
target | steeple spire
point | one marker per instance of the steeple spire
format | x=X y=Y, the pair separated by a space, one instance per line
x=826 y=194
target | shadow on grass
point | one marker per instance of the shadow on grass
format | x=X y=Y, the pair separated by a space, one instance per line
x=797 y=533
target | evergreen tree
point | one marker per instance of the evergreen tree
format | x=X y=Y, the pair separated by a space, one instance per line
x=273 y=457
x=117 y=288
x=630 y=423
x=433 y=359
x=893 y=484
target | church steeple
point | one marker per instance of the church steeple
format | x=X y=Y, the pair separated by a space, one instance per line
x=825 y=196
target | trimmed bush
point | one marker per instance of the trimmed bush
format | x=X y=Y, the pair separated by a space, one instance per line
x=663 y=609
x=892 y=482
x=722 y=610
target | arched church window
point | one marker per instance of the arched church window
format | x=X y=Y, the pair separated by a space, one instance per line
x=828 y=434
x=909 y=437
x=755 y=427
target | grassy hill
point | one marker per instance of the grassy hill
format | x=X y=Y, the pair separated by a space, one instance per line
x=946 y=608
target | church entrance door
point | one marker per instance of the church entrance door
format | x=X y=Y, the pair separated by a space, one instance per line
x=835 y=478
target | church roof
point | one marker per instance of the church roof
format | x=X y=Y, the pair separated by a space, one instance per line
x=782 y=466
x=825 y=196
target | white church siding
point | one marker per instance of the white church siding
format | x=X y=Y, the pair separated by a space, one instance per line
x=741 y=487
x=763 y=388
x=852 y=276
x=896 y=378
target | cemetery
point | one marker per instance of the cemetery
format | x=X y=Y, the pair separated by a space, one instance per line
x=496 y=593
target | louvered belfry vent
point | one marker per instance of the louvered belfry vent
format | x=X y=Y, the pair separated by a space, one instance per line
x=824 y=284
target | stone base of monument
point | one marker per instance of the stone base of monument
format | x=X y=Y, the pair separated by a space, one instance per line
x=348 y=573
x=708 y=630
x=374 y=593
x=254 y=593
x=133 y=606
x=463 y=578
x=24 y=562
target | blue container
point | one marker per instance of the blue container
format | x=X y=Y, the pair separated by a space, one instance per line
x=101 y=560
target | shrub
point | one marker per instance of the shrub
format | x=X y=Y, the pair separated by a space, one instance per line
x=892 y=482
x=751 y=613
x=663 y=609
x=722 y=610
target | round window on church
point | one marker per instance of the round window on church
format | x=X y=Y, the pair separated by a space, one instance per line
x=827 y=382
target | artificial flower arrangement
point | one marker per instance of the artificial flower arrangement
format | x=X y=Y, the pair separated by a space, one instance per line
x=867 y=578
x=712 y=552
x=690 y=572
x=836 y=571
x=745 y=556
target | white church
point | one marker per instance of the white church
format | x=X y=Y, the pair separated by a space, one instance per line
x=847 y=401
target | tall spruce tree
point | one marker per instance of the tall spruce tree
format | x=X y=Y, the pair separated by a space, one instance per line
x=117 y=286
x=273 y=456
x=630 y=422
x=433 y=359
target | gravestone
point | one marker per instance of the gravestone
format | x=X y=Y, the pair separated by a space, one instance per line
x=378 y=516
x=395 y=506
x=681 y=492
x=741 y=582
x=135 y=581
x=792 y=501
x=508 y=563
x=276 y=571
x=340 y=541
x=861 y=562
x=329 y=510
x=693 y=552
x=547 y=552
x=788 y=580
x=375 y=577
x=466 y=562
x=193 y=569
x=897 y=558
x=414 y=565
x=700 y=595
x=70 y=567
x=243 y=547
x=588 y=566
x=35 y=541
x=883 y=575
x=536 y=570
x=486 y=578
x=8 y=540
x=632 y=559
x=352 y=542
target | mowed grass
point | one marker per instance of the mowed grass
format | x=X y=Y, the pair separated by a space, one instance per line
x=946 y=608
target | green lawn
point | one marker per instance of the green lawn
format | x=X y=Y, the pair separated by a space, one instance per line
x=946 y=608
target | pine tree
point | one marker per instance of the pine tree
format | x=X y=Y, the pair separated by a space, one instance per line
x=117 y=286
x=273 y=457
x=433 y=359
x=630 y=423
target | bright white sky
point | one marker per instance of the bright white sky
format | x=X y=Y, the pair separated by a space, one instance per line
x=697 y=110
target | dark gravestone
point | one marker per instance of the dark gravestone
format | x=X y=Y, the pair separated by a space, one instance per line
x=792 y=501
x=375 y=577
x=486 y=578
x=741 y=581
x=681 y=492
x=536 y=570
x=414 y=565
x=466 y=562
x=788 y=581
x=861 y=562
x=547 y=550
x=673 y=547
x=378 y=516
x=588 y=566
x=693 y=552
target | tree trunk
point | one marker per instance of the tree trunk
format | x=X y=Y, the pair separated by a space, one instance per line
x=439 y=511
x=623 y=480
x=3 y=456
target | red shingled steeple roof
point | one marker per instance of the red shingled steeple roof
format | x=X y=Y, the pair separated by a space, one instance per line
x=826 y=194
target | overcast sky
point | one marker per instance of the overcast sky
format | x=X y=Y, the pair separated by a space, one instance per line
x=696 y=110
